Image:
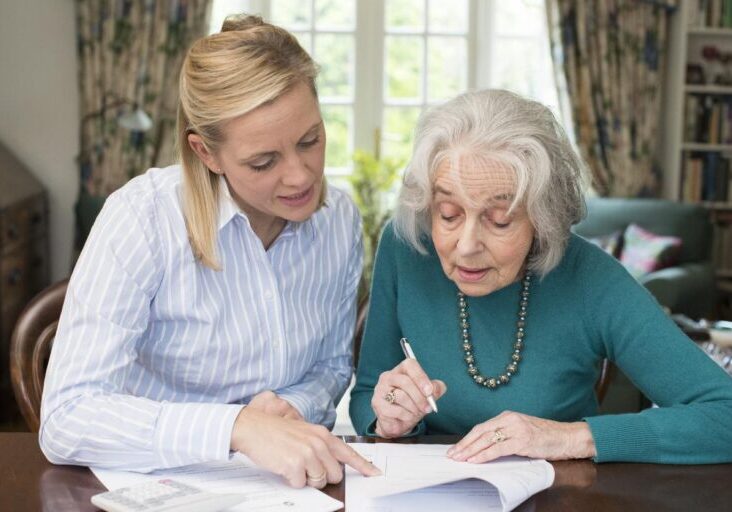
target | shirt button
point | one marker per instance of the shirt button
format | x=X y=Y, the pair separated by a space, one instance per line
x=268 y=295
x=276 y=342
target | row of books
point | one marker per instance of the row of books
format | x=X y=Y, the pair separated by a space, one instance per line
x=722 y=248
x=706 y=177
x=708 y=119
x=710 y=13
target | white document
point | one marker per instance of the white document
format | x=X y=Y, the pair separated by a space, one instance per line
x=422 y=478
x=264 y=490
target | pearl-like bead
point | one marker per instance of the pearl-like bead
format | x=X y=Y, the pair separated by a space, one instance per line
x=512 y=367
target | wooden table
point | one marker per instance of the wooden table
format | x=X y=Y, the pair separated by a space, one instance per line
x=29 y=483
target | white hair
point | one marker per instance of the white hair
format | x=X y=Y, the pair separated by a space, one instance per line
x=513 y=133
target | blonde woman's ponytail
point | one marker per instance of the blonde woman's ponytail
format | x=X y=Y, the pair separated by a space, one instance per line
x=224 y=76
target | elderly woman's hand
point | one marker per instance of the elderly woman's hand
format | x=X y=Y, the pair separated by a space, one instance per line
x=400 y=398
x=512 y=433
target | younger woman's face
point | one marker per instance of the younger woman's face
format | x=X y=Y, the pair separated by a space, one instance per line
x=273 y=158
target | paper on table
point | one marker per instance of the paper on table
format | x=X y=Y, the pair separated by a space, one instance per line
x=264 y=490
x=421 y=477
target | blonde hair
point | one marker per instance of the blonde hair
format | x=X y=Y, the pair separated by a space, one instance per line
x=223 y=76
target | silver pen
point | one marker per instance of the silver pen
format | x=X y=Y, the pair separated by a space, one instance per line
x=409 y=353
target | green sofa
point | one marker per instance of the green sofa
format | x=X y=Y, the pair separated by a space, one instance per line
x=687 y=288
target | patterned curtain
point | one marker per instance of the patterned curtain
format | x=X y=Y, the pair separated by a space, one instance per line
x=129 y=54
x=610 y=54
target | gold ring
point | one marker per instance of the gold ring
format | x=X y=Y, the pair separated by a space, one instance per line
x=498 y=436
x=318 y=478
x=390 y=396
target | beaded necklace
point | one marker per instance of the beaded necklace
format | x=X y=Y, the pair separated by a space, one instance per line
x=512 y=367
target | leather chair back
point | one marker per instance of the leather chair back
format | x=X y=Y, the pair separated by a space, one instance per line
x=30 y=348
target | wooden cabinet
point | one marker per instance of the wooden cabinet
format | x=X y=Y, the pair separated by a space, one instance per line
x=24 y=265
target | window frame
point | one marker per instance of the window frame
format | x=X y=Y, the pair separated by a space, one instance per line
x=369 y=102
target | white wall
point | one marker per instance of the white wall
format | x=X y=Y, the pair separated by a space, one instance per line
x=39 y=107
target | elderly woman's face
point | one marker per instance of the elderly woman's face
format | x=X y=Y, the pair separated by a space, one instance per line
x=481 y=247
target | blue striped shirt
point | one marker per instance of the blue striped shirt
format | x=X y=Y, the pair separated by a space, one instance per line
x=155 y=354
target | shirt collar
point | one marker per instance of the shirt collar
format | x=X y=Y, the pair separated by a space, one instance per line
x=228 y=209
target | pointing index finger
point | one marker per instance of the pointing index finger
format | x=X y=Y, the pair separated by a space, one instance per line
x=351 y=457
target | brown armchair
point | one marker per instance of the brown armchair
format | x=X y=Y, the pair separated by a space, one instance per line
x=30 y=347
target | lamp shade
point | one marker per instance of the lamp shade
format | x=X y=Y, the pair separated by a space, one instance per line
x=135 y=120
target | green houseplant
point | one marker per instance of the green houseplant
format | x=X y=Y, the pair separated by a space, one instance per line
x=372 y=182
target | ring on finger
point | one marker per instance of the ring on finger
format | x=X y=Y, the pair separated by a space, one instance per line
x=498 y=436
x=318 y=478
x=390 y=396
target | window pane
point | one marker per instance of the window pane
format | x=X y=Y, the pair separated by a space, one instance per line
x=447 y=61
x=338 y=127
x=335 y=14
x=335 y=55
x=404 y=14
x=520 y=17
x=454 y=19
x=305 y=40
x=403 y=67
x=399 y=123
x=220 y=9
x=291 y=13
x=516 y=66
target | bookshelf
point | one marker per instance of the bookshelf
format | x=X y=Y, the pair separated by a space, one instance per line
x=697 y=118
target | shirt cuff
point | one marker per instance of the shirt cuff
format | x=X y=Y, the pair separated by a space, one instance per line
x=305 y=403
x=188 y=433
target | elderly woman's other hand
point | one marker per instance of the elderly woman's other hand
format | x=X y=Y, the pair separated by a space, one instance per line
x=512 y=433
x=400 y=398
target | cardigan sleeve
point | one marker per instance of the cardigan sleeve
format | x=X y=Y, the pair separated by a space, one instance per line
x=692 y=423
x=380 y=349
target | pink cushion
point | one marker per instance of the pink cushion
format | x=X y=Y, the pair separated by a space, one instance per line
x=611 y=244
x=644 y=252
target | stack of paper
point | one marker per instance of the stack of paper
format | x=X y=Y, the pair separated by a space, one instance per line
x=422 y=478
x=265 y=491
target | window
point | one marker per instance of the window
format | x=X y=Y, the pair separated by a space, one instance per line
x=425 y=61
x=384 y=61
x=518 y=56
x=327 y=30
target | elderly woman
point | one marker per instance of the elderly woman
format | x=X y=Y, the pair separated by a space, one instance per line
x=511 y=314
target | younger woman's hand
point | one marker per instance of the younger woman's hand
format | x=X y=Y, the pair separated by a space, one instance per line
x=302 y=453
x=268 y=402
